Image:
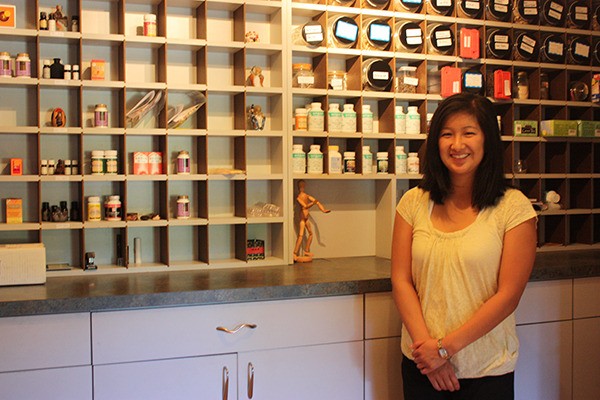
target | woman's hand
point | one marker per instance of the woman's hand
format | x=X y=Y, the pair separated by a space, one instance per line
x=426 y=356
x=444 y=378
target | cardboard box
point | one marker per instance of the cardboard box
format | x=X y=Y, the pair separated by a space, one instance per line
x=525 y=128
x=597 y=130
x=7 y=16
x=16 y=166
x=558 y=127
x=14 y=211
x=595 y=88
x=97 y=70
x=586 y=128
x=22 y=264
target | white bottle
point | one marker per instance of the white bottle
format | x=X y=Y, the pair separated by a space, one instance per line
x=335 y=118
x=298 y=159
x=401 y=160
x=314 y=162
x=399 y=121
x=413 y=121
x=413 y=163
x=367 y=119
x=335 y=160
x=349 y=119
x=367 y=160
x=316 y=118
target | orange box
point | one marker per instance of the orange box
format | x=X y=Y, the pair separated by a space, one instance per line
x=14 y=211
x=97 y=70
x=7 y=16
x=140 y=163
x=16 y=166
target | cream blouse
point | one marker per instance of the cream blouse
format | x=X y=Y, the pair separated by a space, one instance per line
x=454 y=273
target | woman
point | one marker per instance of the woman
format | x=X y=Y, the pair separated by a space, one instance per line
x=462 y=252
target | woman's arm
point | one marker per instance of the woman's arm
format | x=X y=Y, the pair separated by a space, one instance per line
x=518 y=256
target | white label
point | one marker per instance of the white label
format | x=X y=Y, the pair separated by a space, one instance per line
x=581 y=10
x=503 y=2
x=313 y=29
x=581 y=16
x=529 y=4
x=556 y=48
x=413 y=32
x=530 y=11
x=507 y=88
x=526 y=48
x=501 y=8
x=556 y=15
x=467 y=41
x=557 y=7
x=455 y=87
x=443 y=34
x=306 y=80
x=314 y=37
x=582 y=50
x=472 y=5
x=415 y=40
x=529 y=40
x=444 y=43
x=336 y=83
x=501 y=38
x=380 y=75
x=474 y=80
x=444 y=3
x=501 y=46
x=411 y=81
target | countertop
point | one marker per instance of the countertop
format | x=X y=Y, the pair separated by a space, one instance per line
x=322 y=277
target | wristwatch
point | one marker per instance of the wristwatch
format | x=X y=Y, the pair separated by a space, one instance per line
x=442 y=351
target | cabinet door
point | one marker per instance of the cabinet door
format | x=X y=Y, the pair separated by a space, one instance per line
x=332 y=371
x=383 y=369
x=48 y=384
x=545 y=361
x=186 y=378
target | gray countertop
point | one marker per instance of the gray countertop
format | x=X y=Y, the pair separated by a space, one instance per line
x=323 y=277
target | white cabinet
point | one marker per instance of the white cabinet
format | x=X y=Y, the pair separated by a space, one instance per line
x=45 y=357
x=211 y=377
x=383 y=356
x=330 y=371
x=296 y=348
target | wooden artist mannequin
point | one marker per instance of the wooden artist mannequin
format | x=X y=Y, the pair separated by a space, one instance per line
x=306 y=201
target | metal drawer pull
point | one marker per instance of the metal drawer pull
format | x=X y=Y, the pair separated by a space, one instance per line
x=225 y=383
x=236 y=329
x=250 y=380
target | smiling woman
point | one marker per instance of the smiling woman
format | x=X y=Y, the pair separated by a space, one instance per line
x=462 y=251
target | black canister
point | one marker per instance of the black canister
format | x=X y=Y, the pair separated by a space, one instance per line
x=526 y=47
x=552 y=48
x=378 y=34
x=553 y=13
x=578 y=50
x=596 y=18
x=596 y=53
x=578 y=15
x=498 y=10
x=526 y=12
x=473 y=81
x=470 y=8
x=409 y=37
x=344 y=31
x=498 y=44
x=441 y=39
x=377 y=74
x=440 y=7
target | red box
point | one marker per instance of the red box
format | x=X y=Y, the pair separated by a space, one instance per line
x=502 y=84
x=450 y=78
x=469 y=43
x=16 y=166
x=140 y=163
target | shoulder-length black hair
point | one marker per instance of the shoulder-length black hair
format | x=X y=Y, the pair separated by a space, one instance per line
x=489 y=185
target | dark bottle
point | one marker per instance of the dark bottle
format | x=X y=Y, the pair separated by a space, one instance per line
x=43 y=21
x=64 y=211
x=57 y=70
x=45 y=211
x=74 y=211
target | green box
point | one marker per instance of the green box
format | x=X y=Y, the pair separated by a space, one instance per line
x=586 y=128
x=597 y=131
x=524 y=127
x=558 y=127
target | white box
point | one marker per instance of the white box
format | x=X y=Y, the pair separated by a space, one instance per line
x=22 y=264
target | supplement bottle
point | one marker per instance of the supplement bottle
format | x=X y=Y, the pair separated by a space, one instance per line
x=401 y=160
x=335 y=160
x=367 y=160
x=349 y=162
x=183 y=163
x=314 y=163
x=382 y=162
x=97 y=162
x=301 y=119
x=349 y=119
x=183 y=207
x=111 y=162
x=367 y=119
x=93 y=209
x=413 y=163
x=112 y=208
x=413 y=121
x=334 y=118
x=399 y=121
x=316 y=118
x=298 y=159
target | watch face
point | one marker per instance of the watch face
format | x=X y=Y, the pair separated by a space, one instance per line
x=443 y=353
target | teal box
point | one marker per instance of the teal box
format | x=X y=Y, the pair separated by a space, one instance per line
x=586 y=128
x=558 y=127
x=523 y=127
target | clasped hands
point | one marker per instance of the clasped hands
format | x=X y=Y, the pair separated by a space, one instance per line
x=439 y=371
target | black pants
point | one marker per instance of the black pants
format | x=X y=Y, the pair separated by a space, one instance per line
x=418 y=387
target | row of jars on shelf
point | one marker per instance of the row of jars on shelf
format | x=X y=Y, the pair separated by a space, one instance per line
x=440 y=39
x=579 y=14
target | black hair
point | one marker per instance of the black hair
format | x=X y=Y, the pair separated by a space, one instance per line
x=489 y=184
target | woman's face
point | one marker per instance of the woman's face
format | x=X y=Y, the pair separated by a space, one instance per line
x=461 y=145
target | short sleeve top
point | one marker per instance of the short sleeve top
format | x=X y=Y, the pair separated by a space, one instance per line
x=454 y=273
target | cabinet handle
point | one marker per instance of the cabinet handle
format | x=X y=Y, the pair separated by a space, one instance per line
x=237 y=328
x=225 y=383
x=250 y=380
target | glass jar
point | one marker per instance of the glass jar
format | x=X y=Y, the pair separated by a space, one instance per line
x=526 y=47
x=376 y=34
x=310 y=34
x=409 y=37
x=413 y=6
x=498 y=10
x=183 y=163
x=51 y=167
x=440 y=7
x=498 y=44
x=522 y=85
x=44 y=167
x=552 y=49
x=440 y=39
x=544 y=86
x=553 y=13
x=337 y=80
x=101 y=116
x=5 y=64
x=67 y=75
x=406 y=79
x=75 y=75
x=376 y=74
x=578 y=50
x=183 y=207
x=578 y=15
x=46 y=69
x=578 y=91
x=596 y=53
x=303 y=76
x=23 y=66
x=342 y=31
x=526 y=12
x=470 y=8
